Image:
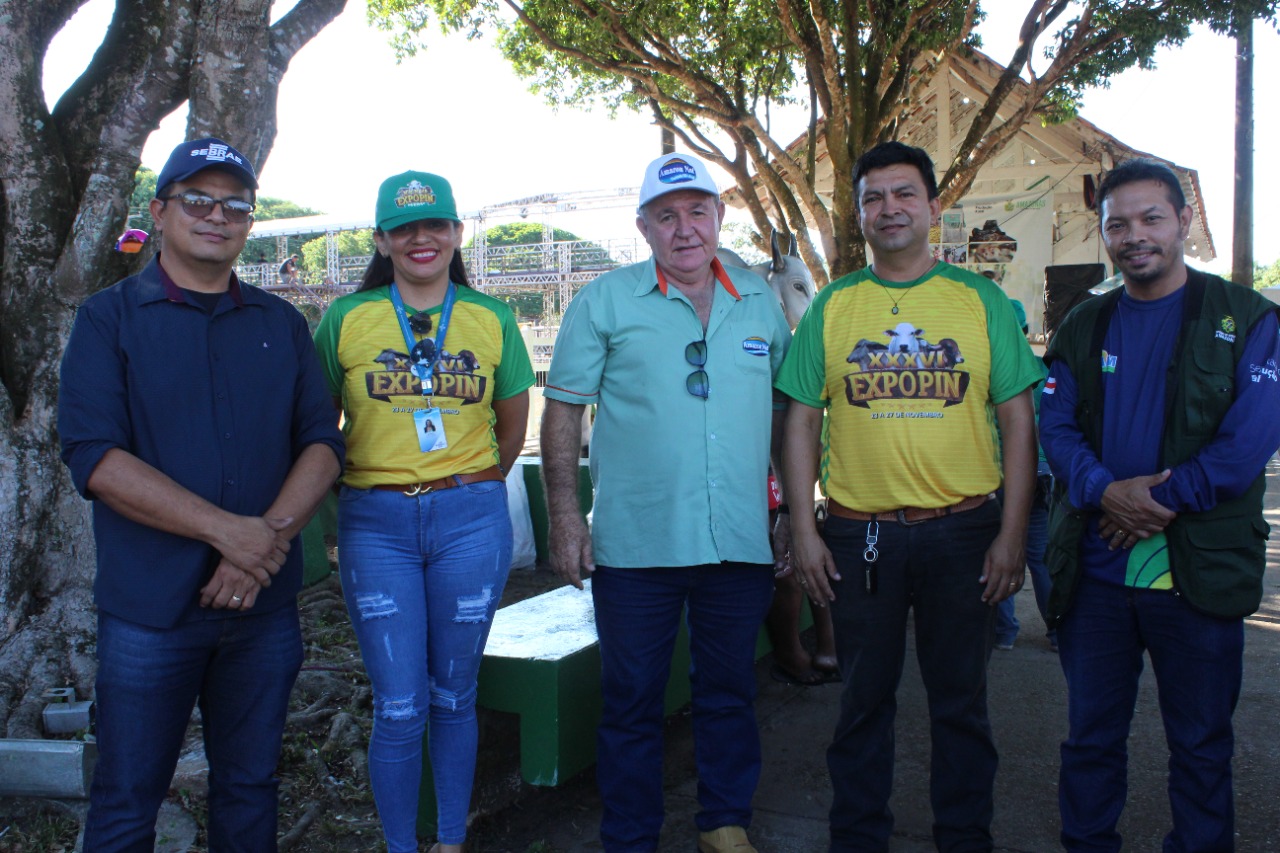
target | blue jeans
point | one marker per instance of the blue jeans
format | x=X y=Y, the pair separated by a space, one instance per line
x=637 y=617
x=933 y=569
x=1037 y=540
x=422 y=577
x=1198 y=665
x=241 y=670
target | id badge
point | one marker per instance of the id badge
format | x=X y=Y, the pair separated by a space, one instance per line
x=422 y=370
x=430 y=428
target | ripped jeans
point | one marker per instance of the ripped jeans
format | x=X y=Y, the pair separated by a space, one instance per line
x=422 y=577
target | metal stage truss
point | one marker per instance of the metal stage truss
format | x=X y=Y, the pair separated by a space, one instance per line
x=552 y=269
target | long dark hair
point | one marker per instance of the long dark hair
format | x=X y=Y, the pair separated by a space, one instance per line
x=380 y=271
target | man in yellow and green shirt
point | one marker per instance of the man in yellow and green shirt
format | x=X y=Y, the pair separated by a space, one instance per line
x=915 y=362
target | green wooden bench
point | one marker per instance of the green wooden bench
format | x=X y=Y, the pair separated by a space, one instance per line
x=315 y=556
x=542 y=663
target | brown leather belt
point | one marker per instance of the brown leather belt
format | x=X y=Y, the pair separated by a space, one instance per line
x=908 y=515
x=414 y=489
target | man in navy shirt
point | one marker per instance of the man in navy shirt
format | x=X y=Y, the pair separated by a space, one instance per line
x=193 y=413
x=1160 y=411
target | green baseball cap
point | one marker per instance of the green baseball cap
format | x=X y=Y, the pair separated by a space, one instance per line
x=411 y=196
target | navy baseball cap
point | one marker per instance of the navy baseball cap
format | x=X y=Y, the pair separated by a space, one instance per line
x=208 y=153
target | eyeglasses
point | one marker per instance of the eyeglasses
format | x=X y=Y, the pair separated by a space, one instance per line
x=697 y=383
x=199 y=205
x=420 y=324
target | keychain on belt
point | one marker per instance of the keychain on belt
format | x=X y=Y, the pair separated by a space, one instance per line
x=870 y=555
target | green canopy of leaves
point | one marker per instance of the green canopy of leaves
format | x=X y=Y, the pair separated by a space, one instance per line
x=521 y=234
x=1268 y=276
x=351 y=244
x=712 y=74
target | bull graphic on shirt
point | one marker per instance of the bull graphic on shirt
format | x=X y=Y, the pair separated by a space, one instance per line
x=456 y=375
x=905 y=367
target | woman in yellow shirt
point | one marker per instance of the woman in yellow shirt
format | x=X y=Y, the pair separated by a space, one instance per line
x=432 y=377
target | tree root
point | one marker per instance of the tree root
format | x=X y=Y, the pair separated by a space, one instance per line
x=314 y=714
x=299 y=829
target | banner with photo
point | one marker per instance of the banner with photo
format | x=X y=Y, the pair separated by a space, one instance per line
x=1009 y=239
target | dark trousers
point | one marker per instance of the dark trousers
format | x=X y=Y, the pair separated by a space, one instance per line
x=637 y=616
x=240 y=670
x=933 y=569
x=1198 y=664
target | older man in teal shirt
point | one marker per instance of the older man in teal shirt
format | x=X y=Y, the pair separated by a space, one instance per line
x=678 y=354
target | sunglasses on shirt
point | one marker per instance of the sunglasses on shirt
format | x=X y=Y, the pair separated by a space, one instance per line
x=697 y=383
x=420 y=323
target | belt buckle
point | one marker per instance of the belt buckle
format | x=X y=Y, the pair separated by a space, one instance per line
x=418 y=489
x=902 y=519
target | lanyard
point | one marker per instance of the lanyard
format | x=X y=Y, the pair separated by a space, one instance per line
x=425 y=371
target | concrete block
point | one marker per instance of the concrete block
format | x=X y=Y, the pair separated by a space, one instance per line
x=46 y=768
x=65 y=718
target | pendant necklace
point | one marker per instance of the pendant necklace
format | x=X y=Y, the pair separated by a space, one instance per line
x=889 y=293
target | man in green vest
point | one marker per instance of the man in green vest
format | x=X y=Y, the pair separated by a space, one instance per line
x=1161 y=409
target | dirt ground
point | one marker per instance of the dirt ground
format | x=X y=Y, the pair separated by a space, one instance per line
x=326 y=805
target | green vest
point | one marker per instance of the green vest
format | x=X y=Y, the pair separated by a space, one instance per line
x=1217 y=557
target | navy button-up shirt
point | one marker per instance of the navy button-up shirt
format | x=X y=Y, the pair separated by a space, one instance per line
x=222 y=403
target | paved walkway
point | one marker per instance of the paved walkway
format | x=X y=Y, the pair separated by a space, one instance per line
x=1028 y=710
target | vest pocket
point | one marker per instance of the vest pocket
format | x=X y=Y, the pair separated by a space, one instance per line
x=1210 y=390
x=1225 y=561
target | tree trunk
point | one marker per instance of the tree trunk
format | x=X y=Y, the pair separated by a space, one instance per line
x=67 y=175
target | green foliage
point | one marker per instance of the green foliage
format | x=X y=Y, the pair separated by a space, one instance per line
x=528 y=305
x=144 y=189
x=311 y=257
x=265 y=250
x=1266 y=276
x=521 y=234
x=277 y=208
x=713 y=73
x=739 y=237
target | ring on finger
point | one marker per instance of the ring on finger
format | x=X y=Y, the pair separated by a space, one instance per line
x=237 y=599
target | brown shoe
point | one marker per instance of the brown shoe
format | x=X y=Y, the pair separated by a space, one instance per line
x=726 y=839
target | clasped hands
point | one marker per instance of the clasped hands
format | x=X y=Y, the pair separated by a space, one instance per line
x=1130 y=514
x=253 y=549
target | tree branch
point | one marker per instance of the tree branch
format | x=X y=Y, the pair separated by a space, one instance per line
x=303 y=23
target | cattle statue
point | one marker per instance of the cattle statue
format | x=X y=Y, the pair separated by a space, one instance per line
x=788 y=277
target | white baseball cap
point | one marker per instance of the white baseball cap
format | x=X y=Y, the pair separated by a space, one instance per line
x=672 y=172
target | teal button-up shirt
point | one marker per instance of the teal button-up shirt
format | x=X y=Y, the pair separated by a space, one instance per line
x=679 y=480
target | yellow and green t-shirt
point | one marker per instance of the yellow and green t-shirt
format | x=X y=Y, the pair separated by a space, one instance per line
x=362 y=349
x=910 y=395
